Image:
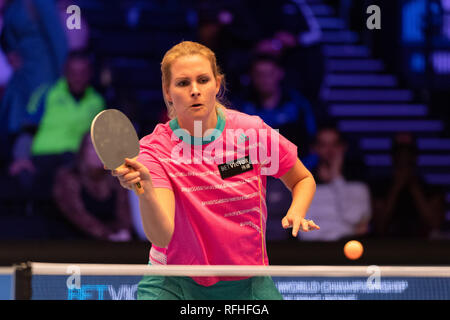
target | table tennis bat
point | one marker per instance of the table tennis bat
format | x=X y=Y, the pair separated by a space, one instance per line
x=114 y=139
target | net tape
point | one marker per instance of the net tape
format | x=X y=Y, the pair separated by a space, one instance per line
x=39 y=268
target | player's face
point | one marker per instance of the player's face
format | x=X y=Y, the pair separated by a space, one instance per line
x=193 y=88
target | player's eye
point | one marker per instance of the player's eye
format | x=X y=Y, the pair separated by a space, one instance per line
x=203 y=80
x=182 y=83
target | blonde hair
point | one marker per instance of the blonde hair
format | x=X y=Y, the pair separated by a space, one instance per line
x=189 y=48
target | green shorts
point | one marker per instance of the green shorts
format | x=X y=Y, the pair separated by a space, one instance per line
x=185 y=288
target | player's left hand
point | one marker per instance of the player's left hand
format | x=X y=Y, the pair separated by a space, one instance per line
x=297 y=223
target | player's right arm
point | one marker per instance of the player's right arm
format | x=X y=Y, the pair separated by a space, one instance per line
x=157 y=205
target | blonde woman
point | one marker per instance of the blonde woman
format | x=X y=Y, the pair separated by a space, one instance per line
x=204 y=174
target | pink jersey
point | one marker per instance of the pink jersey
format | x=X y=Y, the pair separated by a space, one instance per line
x=220 y=209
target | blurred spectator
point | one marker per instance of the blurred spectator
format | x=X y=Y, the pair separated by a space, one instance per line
x=65 y=114
x=138 y=228
x=404 y=205
x=235 y=28
x=5 y=68
x=278 y=201
x=226 y=28
x=294 y=35
x=89 y=198
x=279 y=106
x=5 y=73
x=34 y=42
x=292 y=24
x=341 y=208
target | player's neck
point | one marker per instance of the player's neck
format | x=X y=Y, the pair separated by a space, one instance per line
x=198 y=127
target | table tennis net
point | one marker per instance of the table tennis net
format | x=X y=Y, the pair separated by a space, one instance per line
x=74 y=281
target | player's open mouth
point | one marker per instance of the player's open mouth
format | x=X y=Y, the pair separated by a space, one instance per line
x=196 y=105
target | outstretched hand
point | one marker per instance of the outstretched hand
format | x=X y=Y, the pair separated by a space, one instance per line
x=297 y=223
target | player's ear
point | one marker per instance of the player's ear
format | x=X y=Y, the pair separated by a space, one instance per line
x=218 y=84
x=166 y=94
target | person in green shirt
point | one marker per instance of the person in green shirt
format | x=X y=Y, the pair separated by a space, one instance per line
x=64 y=111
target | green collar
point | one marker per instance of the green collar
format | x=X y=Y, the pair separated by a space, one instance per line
x=174 y=125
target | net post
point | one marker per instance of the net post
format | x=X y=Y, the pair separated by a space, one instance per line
x=22 y=281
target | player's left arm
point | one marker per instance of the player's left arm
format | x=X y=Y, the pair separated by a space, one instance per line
x=302 y=185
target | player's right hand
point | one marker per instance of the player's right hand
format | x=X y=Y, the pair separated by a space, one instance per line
x=131 y=173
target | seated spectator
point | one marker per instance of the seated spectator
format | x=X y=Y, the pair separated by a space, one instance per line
x=234 y=28
x=64 y=114
x=341 y=208
x=278 y=202
x=90 y=198
x=404 y=205
x=294 y=35
x=138 y=228
x=5 y=67
x=279 y=106
x=34 y=43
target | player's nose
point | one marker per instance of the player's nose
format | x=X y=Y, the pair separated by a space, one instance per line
x=195 y=92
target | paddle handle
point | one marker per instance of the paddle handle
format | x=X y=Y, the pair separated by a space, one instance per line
x=137 y=188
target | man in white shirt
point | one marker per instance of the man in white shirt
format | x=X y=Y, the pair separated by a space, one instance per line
x=341 y=208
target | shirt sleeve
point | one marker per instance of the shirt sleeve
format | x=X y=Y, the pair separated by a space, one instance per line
x=278 y=154
x=148 y=157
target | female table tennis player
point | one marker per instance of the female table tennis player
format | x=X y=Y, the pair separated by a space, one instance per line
x=210 y=210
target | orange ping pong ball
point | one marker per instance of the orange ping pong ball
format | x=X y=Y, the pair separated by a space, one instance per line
x=353 y=249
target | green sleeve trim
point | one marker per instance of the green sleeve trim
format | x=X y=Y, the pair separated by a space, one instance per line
x=36 y=96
